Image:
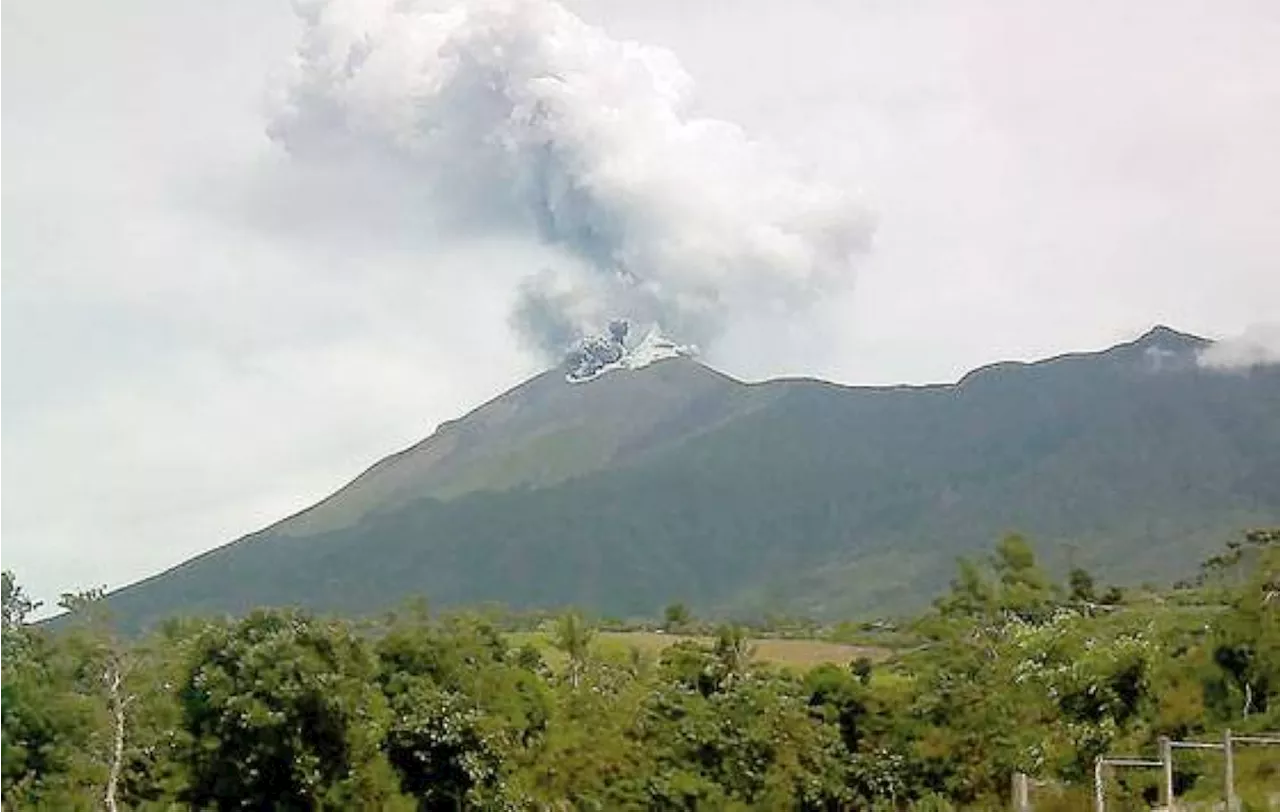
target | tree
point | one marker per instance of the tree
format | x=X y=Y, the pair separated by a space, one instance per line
x=155 y=753
x=284 y=712
x=1246 y=639
x=1012 y=584
x=463 y=709
x=591 y=755
x=1240 y=553
x=676 y=617
x=753 y=745
x=1025 y=589
x=439 y=745
x=109 y=657
x=972 y=594
x=19 y=666
x=691 y=666
x=861 y=668
x=53 y=712
x=734 y=651
x=1081 y=586
x=573 y=636
x=842 y=698
x=18 y=606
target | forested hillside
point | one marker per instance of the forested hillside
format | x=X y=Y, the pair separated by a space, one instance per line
x=1008 y=672
x=675 y=482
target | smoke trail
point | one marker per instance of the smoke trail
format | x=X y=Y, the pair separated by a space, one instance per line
x=522 y=112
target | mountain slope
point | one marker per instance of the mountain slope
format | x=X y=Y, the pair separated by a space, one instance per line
x=540 y=433
x=674 y=482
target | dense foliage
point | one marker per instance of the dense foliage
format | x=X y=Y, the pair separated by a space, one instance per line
x=1008 y=672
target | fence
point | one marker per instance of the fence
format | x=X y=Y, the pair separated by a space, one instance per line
x=1022 y=784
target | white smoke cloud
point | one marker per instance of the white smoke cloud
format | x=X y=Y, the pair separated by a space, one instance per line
x=520 y=112
x=1258 y=345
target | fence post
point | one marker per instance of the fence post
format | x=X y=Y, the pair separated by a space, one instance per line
x=1021 y=792
x=1099 y=792
x=1166 y=758
x=1230 y=771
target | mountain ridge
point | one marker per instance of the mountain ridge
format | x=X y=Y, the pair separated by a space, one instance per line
x=679 y=482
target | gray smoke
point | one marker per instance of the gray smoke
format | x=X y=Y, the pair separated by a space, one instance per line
x=592 y=354
x=519 y=109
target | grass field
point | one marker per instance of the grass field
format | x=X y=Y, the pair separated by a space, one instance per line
x=803 y=654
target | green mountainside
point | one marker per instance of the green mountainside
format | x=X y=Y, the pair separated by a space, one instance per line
x=675 y=482
x=538 y=434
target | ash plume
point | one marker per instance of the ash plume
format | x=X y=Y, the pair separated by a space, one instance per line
x=526 y=117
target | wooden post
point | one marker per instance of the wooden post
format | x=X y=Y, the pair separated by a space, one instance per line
x=1099 y=792
x=1166 y=759
x=1230 y=778
x=1021 y=792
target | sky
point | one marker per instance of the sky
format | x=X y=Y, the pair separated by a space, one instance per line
x=202 y=334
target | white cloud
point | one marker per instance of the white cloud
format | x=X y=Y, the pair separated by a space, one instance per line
x=1258 y=345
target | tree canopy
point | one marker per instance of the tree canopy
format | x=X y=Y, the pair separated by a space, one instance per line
x=1009 y=672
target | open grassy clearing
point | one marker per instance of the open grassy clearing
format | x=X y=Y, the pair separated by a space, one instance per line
x=794 y=653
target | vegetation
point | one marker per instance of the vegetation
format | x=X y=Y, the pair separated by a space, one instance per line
x=787 y=496
x=1009 y=671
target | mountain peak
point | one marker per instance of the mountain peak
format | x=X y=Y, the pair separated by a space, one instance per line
x=1163 y=349
x=598 y=355
x=1166 y=337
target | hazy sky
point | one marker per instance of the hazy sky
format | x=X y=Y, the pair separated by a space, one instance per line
x=201 y=336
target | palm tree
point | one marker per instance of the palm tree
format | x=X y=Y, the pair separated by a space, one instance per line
x=573 y=637
x=734 y=651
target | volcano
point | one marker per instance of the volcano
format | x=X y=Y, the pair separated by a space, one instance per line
x=644 y=483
